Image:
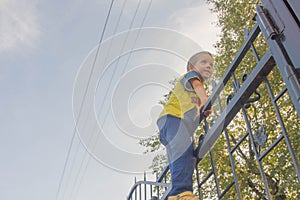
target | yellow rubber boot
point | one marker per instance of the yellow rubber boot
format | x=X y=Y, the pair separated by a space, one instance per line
x=184 y=196
x=172 y=198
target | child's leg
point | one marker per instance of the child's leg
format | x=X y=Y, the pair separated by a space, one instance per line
x=178 y=141
x=182 y=172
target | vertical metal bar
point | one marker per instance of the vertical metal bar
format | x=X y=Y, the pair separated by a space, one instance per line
x=236 y=87
x=166 y=193
x=214 y=172
x=262 y=173
x=165 y=179
x=198 y=180
x=157 y=186
x=237 y=188
x=287 y=140
x=140 y=189
x=294 y=7
x=236 y=84
x=145 y=186
x=135 y=193
x=281 y=57
x=246 y=33
x=212 y=161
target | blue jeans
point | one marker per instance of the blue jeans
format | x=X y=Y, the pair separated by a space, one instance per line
x=177 y=138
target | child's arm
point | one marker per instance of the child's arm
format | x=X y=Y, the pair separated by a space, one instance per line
x=200 y=91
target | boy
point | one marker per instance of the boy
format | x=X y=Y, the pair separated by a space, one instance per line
x=178 y=121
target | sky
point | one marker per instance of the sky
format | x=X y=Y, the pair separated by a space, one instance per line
x=73 y=111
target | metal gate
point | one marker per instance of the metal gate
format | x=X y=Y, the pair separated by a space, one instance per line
x=250 y=172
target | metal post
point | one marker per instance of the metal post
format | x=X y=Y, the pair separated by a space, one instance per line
x=237 y=188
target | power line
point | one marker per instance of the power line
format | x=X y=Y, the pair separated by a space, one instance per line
x=123 y=45
x=102 y=105
x=84 y=96
x=85 y=154
x=106 y=93
x=127 y=61
x=143 y=21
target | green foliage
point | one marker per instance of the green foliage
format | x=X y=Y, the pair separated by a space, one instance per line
x=282 y=181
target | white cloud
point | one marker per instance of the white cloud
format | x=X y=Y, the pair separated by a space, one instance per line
x=18 y=24
x=197 y=23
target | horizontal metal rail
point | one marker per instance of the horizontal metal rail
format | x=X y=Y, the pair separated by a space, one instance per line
x=148 y=183
x=235 y=63
x=262 y=69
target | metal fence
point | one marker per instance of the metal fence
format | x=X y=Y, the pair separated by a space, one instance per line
x=257 y=146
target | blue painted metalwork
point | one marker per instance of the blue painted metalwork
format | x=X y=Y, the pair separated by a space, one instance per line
x=279 y=24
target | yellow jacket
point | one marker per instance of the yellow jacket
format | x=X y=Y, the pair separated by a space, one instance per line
x=183 y=102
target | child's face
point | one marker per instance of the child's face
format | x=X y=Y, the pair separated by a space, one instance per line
x=204 y=65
